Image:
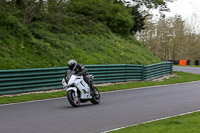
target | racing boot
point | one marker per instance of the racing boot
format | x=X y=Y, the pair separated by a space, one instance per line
x=94 y=91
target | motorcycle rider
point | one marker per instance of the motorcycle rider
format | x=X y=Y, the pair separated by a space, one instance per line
x=81 y=70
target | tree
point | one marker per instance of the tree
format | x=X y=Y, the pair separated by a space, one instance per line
x=138 y=19
x=117 y=17
x=171 y=39
x=120 y=19
x=149 y=4
x=140 y=10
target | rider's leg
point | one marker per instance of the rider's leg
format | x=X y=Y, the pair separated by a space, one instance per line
x=88 y=81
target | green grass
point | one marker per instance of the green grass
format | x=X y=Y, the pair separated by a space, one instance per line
x=44 y=44
x=30 y=97
x=180 y=78
x=181 y=124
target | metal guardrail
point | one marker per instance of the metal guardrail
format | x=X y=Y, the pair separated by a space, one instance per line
x=27 y=80
x=115 y=73
x=158 y=70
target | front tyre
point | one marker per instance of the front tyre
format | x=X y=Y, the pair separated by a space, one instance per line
x=73 y=100
x=96 y=99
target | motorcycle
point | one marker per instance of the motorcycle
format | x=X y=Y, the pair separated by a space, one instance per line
x=78 y=90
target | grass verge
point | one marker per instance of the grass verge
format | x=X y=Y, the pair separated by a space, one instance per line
x=180 y=124
x=180 y=78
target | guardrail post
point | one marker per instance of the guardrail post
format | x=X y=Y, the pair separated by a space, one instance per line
x=143 y=76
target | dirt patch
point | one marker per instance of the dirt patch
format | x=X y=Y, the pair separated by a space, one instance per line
x=158 y=79
x=165 y=77
x=107 y=84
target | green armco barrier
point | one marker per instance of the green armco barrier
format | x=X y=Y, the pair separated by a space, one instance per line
x=158 y=70
x=27 y=80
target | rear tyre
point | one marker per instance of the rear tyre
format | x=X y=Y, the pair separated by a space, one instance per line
x=96 y=99
x=73 y=100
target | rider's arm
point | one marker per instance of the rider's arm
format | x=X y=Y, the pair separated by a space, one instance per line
x=83 y=71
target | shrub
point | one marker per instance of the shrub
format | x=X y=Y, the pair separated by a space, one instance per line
x=117 y=17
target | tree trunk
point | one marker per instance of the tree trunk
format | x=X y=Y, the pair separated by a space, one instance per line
x=39 y=8
x=12 y=3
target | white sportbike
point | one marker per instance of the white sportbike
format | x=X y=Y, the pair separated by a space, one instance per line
x=78 y=90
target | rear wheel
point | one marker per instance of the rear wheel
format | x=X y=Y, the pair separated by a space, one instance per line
x=73 y=100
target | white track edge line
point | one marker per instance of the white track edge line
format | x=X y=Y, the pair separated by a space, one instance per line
x=104 y=92
x=151 y=121
x=152 y=86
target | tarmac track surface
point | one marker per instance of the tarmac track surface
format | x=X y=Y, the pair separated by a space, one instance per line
x=195 y=70
x=117 y=109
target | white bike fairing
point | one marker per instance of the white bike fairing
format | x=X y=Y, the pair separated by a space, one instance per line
x=79 y=84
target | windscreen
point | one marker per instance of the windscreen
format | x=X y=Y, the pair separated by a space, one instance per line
x=69 y=74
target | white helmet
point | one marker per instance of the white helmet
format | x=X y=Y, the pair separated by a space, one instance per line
x=72 y=64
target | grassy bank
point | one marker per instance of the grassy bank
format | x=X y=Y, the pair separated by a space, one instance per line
x=50 y=40
x=181 y=124
x=180 y=78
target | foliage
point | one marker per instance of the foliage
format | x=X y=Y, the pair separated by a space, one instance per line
x=114 y=14
x=117 y=17
x=42 y=44
x=140 y=11
x=139 y=19
x=48 y=38
x=149 y=4
x=171 y=39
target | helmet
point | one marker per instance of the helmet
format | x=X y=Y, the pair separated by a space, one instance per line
x=72 y=64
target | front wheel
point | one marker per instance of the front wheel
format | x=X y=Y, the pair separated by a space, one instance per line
x=96 y=99
x=73 y=100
